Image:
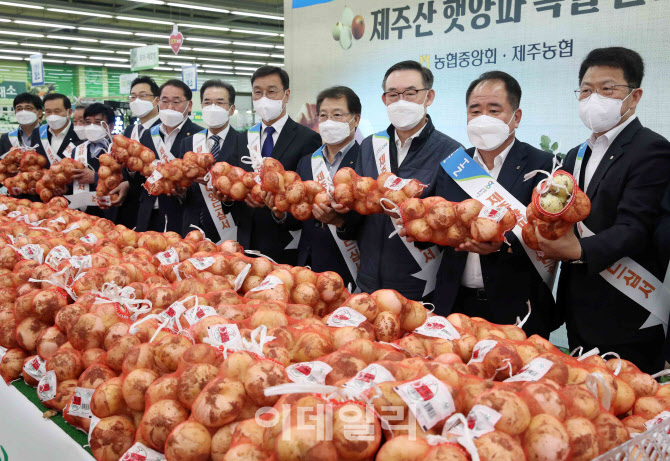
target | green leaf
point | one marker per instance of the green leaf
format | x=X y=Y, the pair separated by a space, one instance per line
x=545 y=140
x=554 y=146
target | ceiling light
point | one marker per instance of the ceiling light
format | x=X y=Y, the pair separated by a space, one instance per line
x=207 y=40
x=43 y=24
x=256 y=32
x=259 y=45
x=83 y=13
x=249 y=62
x=151 y=21
x=106 y=31
x=167 y=56
x=142 y=34
x=123 y=52
x=216 y=66
x=62 y=55
x=281 y=47
x=109 y=64
x=153 y=2
x=214 y=59
x=85 y=63
x=42 y=45
x=257 y=15
x=249 y=53
x=178 y=64
x=92 y=50
x=245 y=68
x=212 y=50
x=198 y=7
x=278 y=64
x=280 y=56
x=120 y=42
x=106 y=58
x=196 y=26
x=58 y=61
x=168 y=47
x=18 y=52
x=162 y=68
x=22 y=5
x=23 y=34
x=2 y=42
x=243 y=73
x=72 y=37
x=12 y=58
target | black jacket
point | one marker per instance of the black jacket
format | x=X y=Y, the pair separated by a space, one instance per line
x=195 y=208
x=257 y=229
x=70 y=137
x=510 y=279
x=662 y=241
x=167 y=206
x=625 y=193
x=386 y=263
x=6 y=144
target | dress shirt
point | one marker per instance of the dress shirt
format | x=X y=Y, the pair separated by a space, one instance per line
x=472 y=274
x=221 y=134
x=404 y=149
x=337 y=159
x=599 y=147
x=278 y=126
x=57 y=139
x=168 y=139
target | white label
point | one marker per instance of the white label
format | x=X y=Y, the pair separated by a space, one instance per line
x=80 y=405
x=196 y=314
x=155 y=176
x=46 y=388
x=71 y=228
x=3 y=351
x=428 y=399
x=91 y=239
x=32 y=251
x=395 y=183
x=494 y=214
x=94 y=422
x=480 y=350
x=268 y=283
x=58 y=220
x=171 y=316
x=481 y=420
x=104 y=200
x=364 y=379
x=657 y=420
x=36 y=367
x=81 y=262
x=202 y=263
x=168 y=257
x=345 y=317
x=241 y=277
x=56 y=255
x=438 y=327
x=536 y=369
x=139 y=452
x=3 y=207
x=309 y=372
x=15 y=191
x=14 y=214
x=227 y=335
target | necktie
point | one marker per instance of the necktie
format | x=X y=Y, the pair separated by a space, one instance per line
x=140 y=130
x=269 y=143
x=216 y=146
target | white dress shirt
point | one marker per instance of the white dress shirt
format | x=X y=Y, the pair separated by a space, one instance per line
x=57 y=139
x=149 y=123
x=168 y=139
x=221 y=134
x=599 y=147
x=404 y=149
x=472 y=274
x=278 y=126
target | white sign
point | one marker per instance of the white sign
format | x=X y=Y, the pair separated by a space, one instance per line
x=189 y=75
x=36 y=69
x=144 y=57
x=125 y=80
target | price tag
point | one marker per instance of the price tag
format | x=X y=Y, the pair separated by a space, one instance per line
x=364 y=379
x=56 y=255
x=309 y=372
x=438 y=327
x=171 y=316
x=494 y=214
x=241 y=277
x=481 y=420
x=16 y=213
x=3 y=207
x=74 y=226
x=202 y=263
x=168 y=257
x=81 y=262
x=91 y=239
x=225 y=335
x=139 y=452
x=46 y=388
x=104 y=200
x=657 y=420
x=80 y=405
x=155 y=176
x=36 y=368
x=535 y=370
x=428 y=399
x=196 y=314
x=32 y=251
x=58 y=220
x=480 y=350
x=395 y=183
x=268 y=283
x=345 y=317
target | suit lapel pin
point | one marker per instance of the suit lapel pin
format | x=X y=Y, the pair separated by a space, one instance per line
x=518 y=167
x=611 y=157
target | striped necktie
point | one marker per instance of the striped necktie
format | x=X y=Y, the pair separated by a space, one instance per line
x=216 y=146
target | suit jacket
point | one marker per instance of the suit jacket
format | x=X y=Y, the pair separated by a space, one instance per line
x=6 y=144
x=256 y=227
x=70 y=137
x=625 y=193
x=386 y=262
x=195 y=208
x=662 y=242
x=170 y=207
x=127 y=212
x=510 y=279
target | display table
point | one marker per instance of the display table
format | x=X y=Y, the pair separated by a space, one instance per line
x=27 y=436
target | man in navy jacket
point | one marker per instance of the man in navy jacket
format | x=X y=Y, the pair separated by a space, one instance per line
x=624 y=169
x=414 y=150
x=495 y=280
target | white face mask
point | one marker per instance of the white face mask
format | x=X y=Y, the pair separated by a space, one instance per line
x=334 y=132
x=599 y=113
x=405 y=115
x=269 y=109
x=140 y=107
x=56 y=122
x=215 y=116
x=95 y=133
x=81 y=131
x=171 y=118
x=487 y=133
x=25 y=117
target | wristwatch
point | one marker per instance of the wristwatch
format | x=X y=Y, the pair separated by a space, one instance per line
x=581 y=260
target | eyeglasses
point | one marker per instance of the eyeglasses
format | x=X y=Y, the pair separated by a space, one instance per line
x=606 y=91
x=272 y=94
x=407 y=94
x=133 y=97
x=337 y=117
x=174 y=103
x=219 y=102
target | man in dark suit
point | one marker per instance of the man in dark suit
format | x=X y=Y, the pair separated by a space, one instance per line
x=144 y=105
x=410 y=147
x=165 y=140
x=495 y=280
x=339 y=112
x=624 y=169
x=662 y=241
x=225 y=144
x=28 y=113
x=57 y=139
x=279 y=137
